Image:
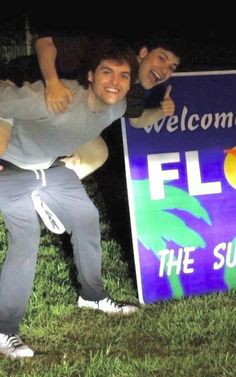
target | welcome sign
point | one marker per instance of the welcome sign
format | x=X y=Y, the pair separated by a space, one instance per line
x=181 y=178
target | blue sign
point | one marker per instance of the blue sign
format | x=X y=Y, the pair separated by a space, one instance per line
x=181 y=178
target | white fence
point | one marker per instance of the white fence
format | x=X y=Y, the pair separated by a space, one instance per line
x=8 y=52
x=15 y=44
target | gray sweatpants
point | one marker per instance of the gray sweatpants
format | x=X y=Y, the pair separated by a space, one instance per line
x=65 y=195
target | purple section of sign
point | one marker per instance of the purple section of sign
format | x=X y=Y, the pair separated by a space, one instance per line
x=150 y=265
x=204 y=123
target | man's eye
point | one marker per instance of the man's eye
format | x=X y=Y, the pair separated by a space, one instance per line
x=161 y=58
x=126 y=75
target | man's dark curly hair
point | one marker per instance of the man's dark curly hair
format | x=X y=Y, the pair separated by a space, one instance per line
x=171 y=42
x=108 y=49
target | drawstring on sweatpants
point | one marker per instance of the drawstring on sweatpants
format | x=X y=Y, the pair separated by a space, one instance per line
x=43 y=176
x=49 y=218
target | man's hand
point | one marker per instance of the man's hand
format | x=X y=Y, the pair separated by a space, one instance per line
x=168 y=105
x=58 y=96
x=73 y=161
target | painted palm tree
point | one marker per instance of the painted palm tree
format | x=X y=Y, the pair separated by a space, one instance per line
x=229 y=272
x=156 y=225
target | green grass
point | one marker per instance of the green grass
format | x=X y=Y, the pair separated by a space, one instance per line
x=190 y=337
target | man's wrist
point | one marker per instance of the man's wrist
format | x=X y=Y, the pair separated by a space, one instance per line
x=51 y=81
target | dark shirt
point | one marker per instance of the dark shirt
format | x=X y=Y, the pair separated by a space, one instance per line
x=71 y=51
x=135 y=101
x=139 y=99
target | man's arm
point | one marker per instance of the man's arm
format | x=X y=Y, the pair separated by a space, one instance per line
x=58 y=96
x=150 y=116
x=5 y=135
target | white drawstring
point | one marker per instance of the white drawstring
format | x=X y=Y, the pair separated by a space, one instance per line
x=43 y=177
x=37 y=174
x=44 y=183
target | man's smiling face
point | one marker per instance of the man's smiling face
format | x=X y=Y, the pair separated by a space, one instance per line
x=156 y=66
x=111 y=81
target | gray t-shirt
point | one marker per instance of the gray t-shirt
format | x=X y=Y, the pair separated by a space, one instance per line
x=38 y=137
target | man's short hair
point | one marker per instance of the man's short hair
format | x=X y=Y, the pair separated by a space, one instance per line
x=171 y=42
x=108 y=49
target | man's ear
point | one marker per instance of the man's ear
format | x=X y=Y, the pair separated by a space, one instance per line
x=90 y=76
x=143 y=52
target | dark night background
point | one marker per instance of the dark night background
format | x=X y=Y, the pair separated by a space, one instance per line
x=194 y=20
x=209 y=35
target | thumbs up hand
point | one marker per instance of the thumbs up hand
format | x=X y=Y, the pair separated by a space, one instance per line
x=168 y=105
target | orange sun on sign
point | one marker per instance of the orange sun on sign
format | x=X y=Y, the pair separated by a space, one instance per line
x=230 y=166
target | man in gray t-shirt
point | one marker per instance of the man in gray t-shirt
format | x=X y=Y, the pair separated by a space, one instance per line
x=31 y=176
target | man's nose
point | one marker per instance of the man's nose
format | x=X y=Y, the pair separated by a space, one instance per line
x=114 y=79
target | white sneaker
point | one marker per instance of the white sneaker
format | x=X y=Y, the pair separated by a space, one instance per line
x=13 y=347
x=49 y=218
x=107 y=305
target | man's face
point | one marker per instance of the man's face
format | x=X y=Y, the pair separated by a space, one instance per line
x=156 y=66
x=110 y=82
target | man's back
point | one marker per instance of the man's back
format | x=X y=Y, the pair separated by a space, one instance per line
x=39 y=137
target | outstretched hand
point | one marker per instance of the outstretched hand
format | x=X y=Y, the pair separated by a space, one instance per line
x=168 y=105
x=58 y=97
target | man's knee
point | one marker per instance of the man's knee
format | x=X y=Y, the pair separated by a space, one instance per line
x=20 y=216
x=102 y=153
x=85 y=216
x=90 y=214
